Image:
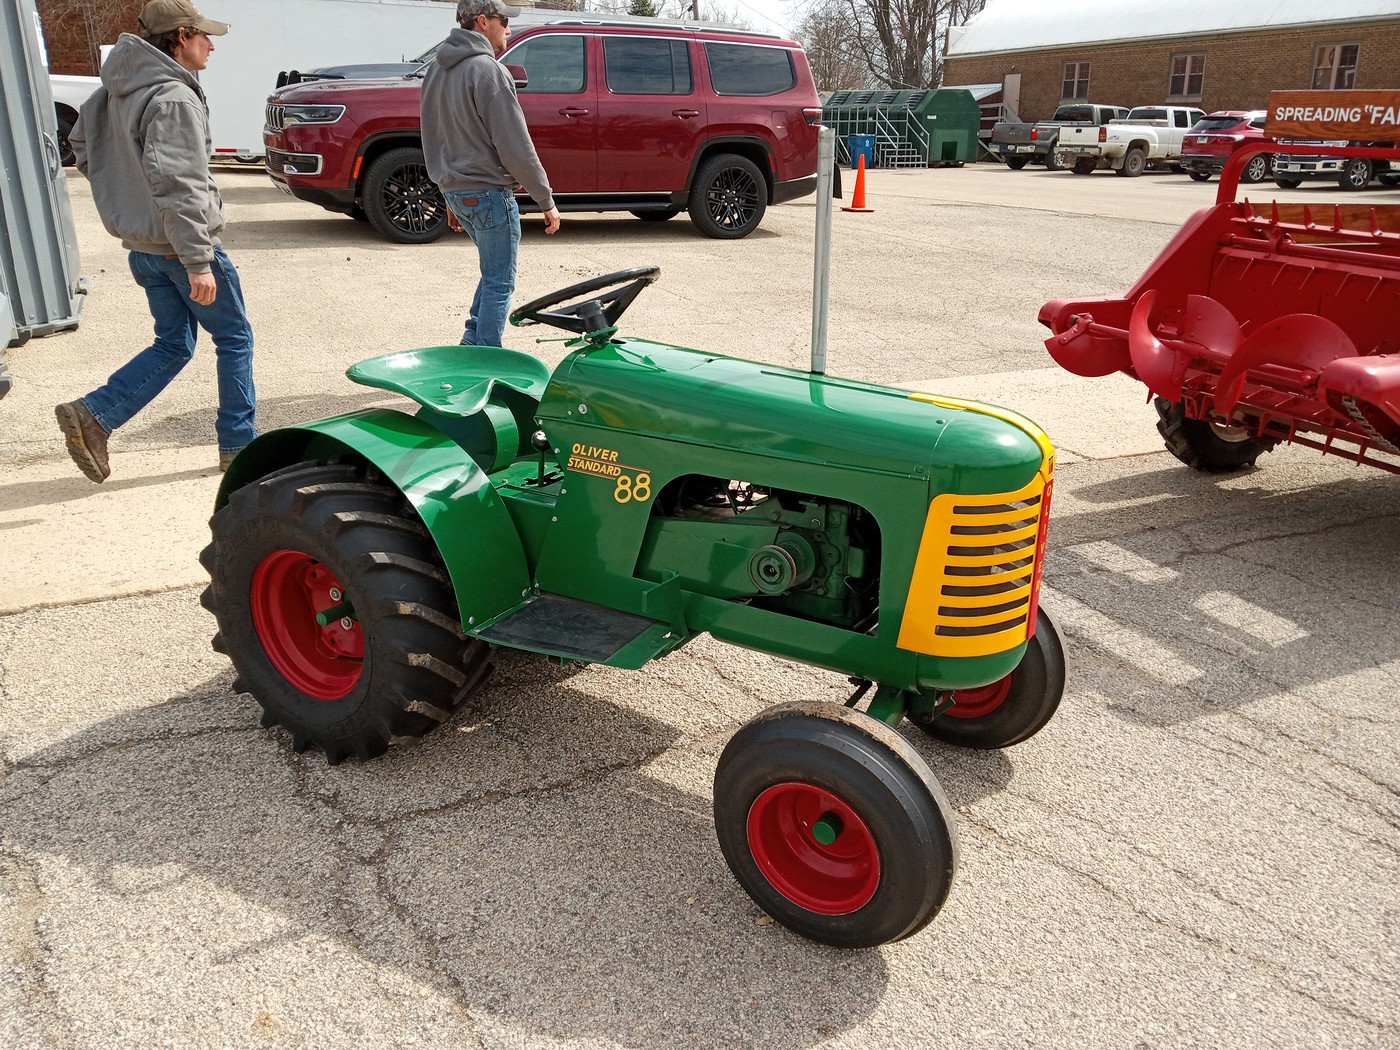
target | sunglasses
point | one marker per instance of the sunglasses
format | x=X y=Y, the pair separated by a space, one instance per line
x=505 y=22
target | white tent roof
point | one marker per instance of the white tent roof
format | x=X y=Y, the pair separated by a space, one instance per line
x=1021 y=25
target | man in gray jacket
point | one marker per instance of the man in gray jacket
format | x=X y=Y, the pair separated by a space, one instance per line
x=478 y=150
x=142 y=140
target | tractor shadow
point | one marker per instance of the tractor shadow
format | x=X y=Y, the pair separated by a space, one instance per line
x=547 y=859
x=1244 y=588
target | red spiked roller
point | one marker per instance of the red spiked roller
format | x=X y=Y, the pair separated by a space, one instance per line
x=858 y=197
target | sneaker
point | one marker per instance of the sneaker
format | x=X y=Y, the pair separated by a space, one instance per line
x=87 y=441
x=226 y=460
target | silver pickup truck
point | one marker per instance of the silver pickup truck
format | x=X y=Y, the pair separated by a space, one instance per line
x=1020 y=144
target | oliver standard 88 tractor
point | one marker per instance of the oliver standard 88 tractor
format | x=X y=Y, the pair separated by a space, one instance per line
x=364 y=566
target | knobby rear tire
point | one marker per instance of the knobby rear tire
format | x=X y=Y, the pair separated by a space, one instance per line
x=1202 y=445
x=344 y=524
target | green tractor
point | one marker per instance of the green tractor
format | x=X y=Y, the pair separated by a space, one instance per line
x=364 y=566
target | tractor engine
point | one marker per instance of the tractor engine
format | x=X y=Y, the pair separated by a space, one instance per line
x=796 y=553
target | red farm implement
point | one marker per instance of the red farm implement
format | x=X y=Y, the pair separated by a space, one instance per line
x=1259 y=324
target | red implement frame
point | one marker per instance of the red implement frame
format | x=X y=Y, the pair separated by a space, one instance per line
x=1280 y=318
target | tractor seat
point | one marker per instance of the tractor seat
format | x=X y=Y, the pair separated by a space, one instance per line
x=454 y=380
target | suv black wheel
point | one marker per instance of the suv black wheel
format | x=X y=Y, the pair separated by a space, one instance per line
x=65 y=129
x=1356 y=174
x=1053 y=161
x=399 y=199
x=729 y=197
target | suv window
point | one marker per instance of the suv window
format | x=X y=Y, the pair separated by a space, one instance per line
x=638 y=66
x=555 y=64
x=748 y=69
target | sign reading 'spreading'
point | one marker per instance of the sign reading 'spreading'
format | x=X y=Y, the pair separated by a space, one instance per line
x=1353 y=116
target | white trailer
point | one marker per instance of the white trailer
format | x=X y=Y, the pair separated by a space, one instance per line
x=271 y=36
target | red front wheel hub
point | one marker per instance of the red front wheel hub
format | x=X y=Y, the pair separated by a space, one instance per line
x=814 y=848
x=289 y=590
x=975 y=703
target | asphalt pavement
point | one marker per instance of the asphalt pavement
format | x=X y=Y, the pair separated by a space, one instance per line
x=1201 y=850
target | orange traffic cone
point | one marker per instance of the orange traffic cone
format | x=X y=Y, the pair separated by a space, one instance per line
x=858 y=197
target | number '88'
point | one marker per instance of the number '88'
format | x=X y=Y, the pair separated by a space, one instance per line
x=628 y=490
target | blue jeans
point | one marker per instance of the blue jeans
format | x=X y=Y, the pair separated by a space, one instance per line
x=178 y=320
x=493 y=222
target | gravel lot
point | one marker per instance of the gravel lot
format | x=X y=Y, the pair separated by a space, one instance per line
x=1201 y=850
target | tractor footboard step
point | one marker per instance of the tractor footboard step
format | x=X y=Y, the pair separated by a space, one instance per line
x=551 y=623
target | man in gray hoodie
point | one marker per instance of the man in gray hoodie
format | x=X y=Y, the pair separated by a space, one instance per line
x=142 y=139
x=478 y=150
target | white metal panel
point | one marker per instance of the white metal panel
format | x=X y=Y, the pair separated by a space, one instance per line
x=38 y=242
x=269 y=36
x=1020 y=25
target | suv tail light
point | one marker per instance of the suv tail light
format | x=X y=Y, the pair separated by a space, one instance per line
x=1103 y=133
x=1035 y=134
x=812 y=114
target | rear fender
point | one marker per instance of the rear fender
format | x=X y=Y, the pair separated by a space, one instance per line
x=465 y=516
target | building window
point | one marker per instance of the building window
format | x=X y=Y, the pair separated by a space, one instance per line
x=1188 y=76
x=1334 y=66
x=1076 y=83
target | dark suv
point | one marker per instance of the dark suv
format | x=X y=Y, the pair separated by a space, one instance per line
x=651 y=118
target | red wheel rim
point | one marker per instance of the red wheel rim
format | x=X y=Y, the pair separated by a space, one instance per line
x=289 y=588
x=974 y=703
x=813 y=848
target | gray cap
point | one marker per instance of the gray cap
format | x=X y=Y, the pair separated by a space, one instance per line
x=467 y=10
x=165 y=16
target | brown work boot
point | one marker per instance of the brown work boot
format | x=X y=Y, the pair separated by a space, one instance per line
x=226 y=460
x=87 y=441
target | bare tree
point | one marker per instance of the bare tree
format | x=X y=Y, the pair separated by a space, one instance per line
x=900 y=42
x=95 y=22
x=825 y=35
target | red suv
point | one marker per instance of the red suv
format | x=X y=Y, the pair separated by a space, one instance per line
x=1213 y=139
x=651 y=118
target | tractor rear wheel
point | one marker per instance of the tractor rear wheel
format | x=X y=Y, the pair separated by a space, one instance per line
x=1202 y=445
x=834 y=825
x=1016 y=707
x=334 y=606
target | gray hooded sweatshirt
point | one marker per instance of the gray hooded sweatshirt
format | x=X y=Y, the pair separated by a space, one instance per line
x=142 y=139
x=474 y=134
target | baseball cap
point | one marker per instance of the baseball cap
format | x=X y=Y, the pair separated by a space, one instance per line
x=469 y=9
x=163 y=16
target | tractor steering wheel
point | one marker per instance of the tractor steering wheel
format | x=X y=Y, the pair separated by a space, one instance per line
x=593 y=313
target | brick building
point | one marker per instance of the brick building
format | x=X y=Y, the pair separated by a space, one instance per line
x=1215 y=54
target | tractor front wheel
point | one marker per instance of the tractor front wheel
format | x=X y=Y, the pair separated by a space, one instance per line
x=834 y=825
x=334 y=606
x=1202 y=445
x=1016 y=707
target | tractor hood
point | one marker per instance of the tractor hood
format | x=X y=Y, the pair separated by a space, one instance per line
x=641 y=387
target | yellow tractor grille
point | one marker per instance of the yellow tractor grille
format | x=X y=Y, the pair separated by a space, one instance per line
x=977 y=573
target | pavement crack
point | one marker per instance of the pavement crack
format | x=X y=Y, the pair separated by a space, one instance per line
x=29 y=949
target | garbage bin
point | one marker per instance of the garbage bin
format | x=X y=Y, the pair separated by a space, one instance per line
x=862 y=146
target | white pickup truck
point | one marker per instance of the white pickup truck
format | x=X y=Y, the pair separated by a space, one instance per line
x=1149 y=136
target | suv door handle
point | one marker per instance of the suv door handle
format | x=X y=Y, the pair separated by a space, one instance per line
x=573 y=111
x=685 y=113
